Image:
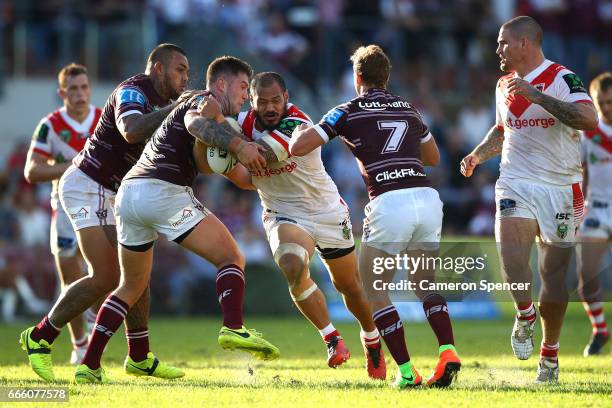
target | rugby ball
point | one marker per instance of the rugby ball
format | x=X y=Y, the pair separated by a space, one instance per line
x=220 y=160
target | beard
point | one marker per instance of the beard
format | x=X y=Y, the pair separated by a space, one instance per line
x=266 y=124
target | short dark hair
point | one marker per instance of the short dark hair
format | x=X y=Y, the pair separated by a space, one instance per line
x=226 y=65
x=601 y=83
x=70 y=70
x=525 y=26
x=162 y=53
x=372 y=65
x=266 y=79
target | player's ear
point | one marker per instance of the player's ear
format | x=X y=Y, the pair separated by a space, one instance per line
x=286 y=96
x=61 y=93
x=158 y=67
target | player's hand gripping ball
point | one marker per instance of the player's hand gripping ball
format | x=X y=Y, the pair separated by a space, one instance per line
x=220 y=160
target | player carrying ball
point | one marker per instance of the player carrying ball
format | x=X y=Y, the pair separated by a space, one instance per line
x=303 y=211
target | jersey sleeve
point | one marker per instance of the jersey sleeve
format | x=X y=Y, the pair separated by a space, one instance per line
x=129 y=100
x=42 y=139
x=279 y=138
x=425 y=134
x=569 y=88
x=332 y=123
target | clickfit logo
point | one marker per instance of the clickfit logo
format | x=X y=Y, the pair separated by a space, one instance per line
x=397 y=174
x=537 y=122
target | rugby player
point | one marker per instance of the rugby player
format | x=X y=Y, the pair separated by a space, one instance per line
x=303 y=211
x=87 y=193
x=156 y=197
x=58 y=138
x=540 y=105
x=596 y=230
x=392 y=145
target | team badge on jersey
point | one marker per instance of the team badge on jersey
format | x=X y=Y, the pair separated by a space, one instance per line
x=574 y=83
x=42 y=134
x=65 y=135
x=562 y=230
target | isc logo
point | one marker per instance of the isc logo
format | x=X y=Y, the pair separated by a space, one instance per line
x=391 y=329
x=562 y=216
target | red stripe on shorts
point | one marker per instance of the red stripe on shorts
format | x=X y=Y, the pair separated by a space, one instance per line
x=578 y=203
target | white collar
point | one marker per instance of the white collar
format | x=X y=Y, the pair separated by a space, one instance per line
x=535 y=72
x=82 y=127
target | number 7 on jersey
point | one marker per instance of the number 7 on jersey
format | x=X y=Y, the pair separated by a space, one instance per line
x=399 y=129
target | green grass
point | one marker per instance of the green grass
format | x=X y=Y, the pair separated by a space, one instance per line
x=490 y=375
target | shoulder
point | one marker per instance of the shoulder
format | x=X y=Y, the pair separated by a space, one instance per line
x=296 y=113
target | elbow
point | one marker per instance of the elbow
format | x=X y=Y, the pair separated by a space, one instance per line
x=295 y=149
x=432 y=161
x=30 y=175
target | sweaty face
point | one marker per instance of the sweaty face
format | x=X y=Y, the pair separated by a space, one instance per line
x=270 y=105
x=176 y=75
x=509 y=50
x=236 y=93
x=76 y=93
x=603 y=103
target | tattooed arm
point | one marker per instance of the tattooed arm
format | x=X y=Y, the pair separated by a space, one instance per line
x=579 y=116
x=218 y=132
x=490 y=147
x=136 y=127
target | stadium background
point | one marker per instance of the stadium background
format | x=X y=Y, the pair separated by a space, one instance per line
x=443 y=55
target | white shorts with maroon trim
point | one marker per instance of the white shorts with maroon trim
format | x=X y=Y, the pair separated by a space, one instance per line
x=87 y=203
x=558 y=209
x=404 y=219
x=147 y=206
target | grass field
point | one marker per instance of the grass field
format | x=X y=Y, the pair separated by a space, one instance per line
x=490 y=375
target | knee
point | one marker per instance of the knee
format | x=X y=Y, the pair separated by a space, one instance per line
x=350 y=286
x=234 y=258
x=293 y=268
x=293 y=260
x=104 y=282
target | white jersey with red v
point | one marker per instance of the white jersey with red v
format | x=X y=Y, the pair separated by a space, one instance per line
x=295 y=185
x=537 y=145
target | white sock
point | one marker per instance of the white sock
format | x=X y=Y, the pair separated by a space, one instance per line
x=370 y=338
x=327 y=330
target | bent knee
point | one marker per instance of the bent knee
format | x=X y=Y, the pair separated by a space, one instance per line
x=349 y=286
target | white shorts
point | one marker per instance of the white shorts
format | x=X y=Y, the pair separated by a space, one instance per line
x=331 y=231
x=410 y=218
x=598 y=220
x=87 y=203
x=63 y=239
x=149 y=206
x=557 y=209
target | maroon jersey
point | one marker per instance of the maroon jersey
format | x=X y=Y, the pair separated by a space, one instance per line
x=385 y=133
x=168 y=155
x=107 y=156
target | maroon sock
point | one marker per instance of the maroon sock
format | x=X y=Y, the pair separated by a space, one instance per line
x=230 y=289
x=45 y=330
x=389 y=325
x=436 y=312
x=110 y=316
x=138 y=343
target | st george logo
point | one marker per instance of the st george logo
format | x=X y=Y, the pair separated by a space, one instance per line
x=224 y=294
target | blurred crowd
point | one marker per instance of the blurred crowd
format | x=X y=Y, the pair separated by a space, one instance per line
x=444 y=62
